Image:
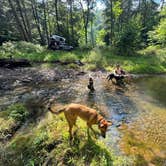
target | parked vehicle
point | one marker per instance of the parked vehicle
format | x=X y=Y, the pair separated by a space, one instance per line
x=59 y=43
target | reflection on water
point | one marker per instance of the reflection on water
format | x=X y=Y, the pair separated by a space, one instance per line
x=153 y=86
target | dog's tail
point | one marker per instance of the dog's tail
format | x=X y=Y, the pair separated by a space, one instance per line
x=57 y=111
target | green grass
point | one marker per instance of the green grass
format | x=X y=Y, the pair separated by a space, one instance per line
x=33 y=146
x=14 y=114
x=150 y=60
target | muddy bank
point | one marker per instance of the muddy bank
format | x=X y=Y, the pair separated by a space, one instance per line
x=15 y=63
x=20 y=82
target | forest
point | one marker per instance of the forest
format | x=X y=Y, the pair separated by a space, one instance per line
x=88 y=22
x=57 y=52
x=117 y=28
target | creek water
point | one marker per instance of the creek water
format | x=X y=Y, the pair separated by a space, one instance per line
x=139 y=106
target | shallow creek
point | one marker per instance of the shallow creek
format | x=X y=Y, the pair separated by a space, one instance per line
x=138 y=110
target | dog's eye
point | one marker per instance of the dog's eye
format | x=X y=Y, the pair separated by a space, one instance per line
x=103 y=127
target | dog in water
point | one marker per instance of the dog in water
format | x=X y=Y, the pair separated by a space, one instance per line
x=72 y=111
x=90 y=85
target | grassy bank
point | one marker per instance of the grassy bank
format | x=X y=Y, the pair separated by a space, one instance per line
x=47 y=142
x=149 y=60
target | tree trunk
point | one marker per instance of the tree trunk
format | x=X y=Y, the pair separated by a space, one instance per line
x=144 y=13
x=22 y=18
x=68 y=28
x=57 y=16
x=27 y=21
x=85 y=15
x=48 y=20
x=71 y=20
x=45 y=21
x=112 y=22
x=37 y=21
x=19 y=24
x=92 y=33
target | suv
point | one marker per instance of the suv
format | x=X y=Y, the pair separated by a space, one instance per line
x=58 y=43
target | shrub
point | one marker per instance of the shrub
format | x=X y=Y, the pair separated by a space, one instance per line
x=68 y=57
x=100 y=37
x=26 y=47
x=9 y=49
x=95 y=58
x=18 y=112
x=158 y=35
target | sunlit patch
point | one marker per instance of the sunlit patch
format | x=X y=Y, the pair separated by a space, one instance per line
x=146 y=137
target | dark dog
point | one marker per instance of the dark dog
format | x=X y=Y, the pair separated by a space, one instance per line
x=119 y=79
x=90 y=85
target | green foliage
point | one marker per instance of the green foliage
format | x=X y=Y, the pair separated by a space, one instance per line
x=95 y=59
x=68 y=57
x=143 y=62
x=12 y=49
x=117 y=10
x=102 y=57
x=159 y=34
x=40 y=139
x=26 y=47
x=18 y=112
x=7 y=49
x=128 y=40
x=100 y=37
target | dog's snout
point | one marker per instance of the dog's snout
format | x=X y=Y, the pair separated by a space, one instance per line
x=103 y=135
x=49 y=108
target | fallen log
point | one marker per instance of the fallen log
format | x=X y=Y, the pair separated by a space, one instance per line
x=12 y=63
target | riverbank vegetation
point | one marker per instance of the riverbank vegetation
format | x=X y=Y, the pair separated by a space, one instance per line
x=150 y=60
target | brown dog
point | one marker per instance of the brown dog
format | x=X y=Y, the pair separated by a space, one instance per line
x=72 y=111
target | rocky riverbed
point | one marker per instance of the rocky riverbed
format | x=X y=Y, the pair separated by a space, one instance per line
x=20 y=83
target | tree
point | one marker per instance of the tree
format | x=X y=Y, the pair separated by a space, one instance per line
x=86 y=11
x=158 y=35
x=128 y=41
x=37 y=20
x=18 y=21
